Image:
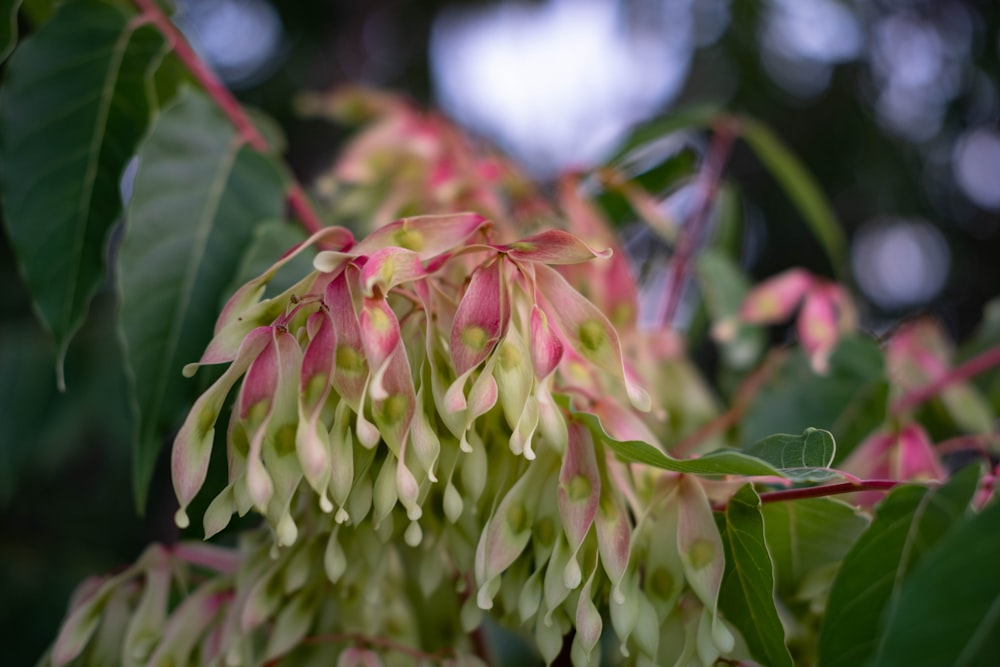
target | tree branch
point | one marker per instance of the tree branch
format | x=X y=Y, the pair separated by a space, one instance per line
x=296 y=197
x=974 y=366
x=691 y=233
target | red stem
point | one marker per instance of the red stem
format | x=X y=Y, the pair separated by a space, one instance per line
x=978 y=364
x=829 y=490
x=692 y=232
x=297 y=201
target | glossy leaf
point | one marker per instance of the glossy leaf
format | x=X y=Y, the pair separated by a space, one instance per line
x=948 y=612
x=802 y=457
x=802 y=189
x=271 y=240
x=197 y=197
x=724 y=288
x=747 y=594
x=808 y=534
x=74 y=105
x=849 y=401
x=910 y=521
x=8 y=27
x=722 y=462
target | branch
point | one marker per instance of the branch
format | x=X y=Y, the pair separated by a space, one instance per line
x=830 y=490
x=978 y=364
x=296 y=197
x=691 y=233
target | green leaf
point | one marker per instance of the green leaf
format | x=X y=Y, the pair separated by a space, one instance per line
x=8 y=27
x=850 y=400
x=805 y=457
x=74 y=104
x=910 y=521
x=692 y=117
x=747 y=594
x=270 y=241
x=722 y=462
x=802 y=189
x=949 y=609
x=198 y=195
x=808 y=534
x=723 y=288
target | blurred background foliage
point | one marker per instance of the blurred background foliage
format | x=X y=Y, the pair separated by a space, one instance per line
x=893 y=105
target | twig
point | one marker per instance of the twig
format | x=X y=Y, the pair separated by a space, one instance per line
x=691 y=233
x=978 y=364
x=296 y=197
x=829 y=490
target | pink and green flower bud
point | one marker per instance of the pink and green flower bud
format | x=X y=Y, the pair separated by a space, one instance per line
x=350 y=361
x=587 y=330
x=776 y=298
x=334 y=558
x=385 y=495
x=193 y=444
x=188 y=623
x=624 y=612
x=507 y=533
x=907 y=454
x=311 y=436
x=700 y=547
x=291 y=625
x=395 y=401
x=481 y=319
x=85 y=613
x=341 y=459
x=614 y=540
x=452 y=504
x=552 y=246
x=424 y=443
x=589 y=623
x=555 y=587
x=818 y=329
x=389 y=267
x=530 y=597
x=549 y=635
x=146 y=626
x=546 y=347
x=428 y=236
x=578 y=494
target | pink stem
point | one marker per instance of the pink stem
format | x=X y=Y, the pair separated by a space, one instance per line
x=978 y=364
x=692 y=232
x=829 y=490
x=296 y=197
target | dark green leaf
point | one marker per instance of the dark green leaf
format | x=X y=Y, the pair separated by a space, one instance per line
x=805 y=457
x=849 y=401
x=694 y=117
x=8 y=27
x=722 y=462
x=271 y=240
x=724 y=287
x=198 y=195
x=802 y=189
x=808 y=534
x=747 y=594
x=948 y=612
x=74 y=104
x=910 y=521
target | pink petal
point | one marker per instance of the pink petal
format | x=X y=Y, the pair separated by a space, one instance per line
x=579 y=489
x=586 y=329
x=427 y=236
x=817 y=327
x=774 y=299
x=481 y=318
x=389 y=267
x=553 y=246
x=350 y=363
x=546 y=348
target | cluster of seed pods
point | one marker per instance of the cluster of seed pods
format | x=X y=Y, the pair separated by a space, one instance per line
x=415 y=374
